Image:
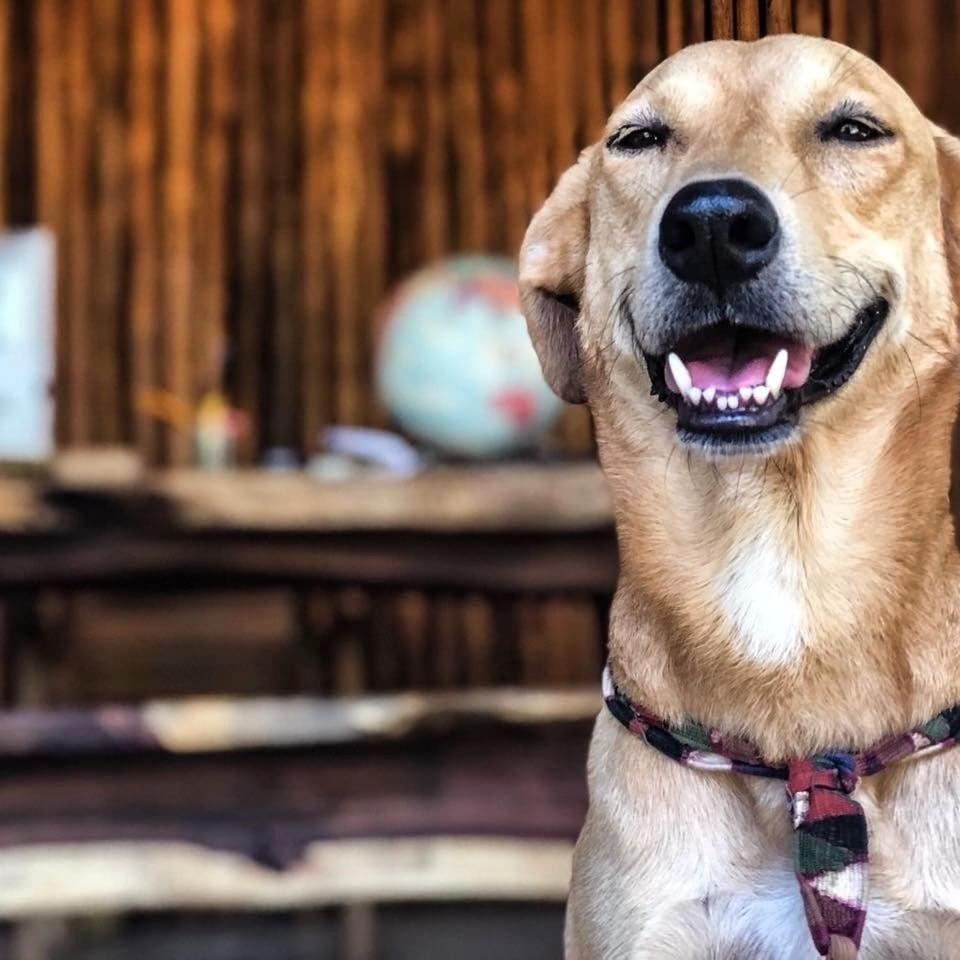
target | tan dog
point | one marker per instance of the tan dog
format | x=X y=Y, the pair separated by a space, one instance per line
x=789 y=570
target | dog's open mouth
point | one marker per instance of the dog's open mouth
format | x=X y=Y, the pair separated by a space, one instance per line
x=736 y=386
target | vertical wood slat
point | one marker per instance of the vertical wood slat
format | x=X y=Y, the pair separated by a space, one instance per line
x=247 y=303
x=347 y=210
x=284 y=360
x=862 y=33
x=434 y=223
x=76 y=277
x=748 y=19
x=808 y=17
x=108 y=306
x=216 y=98
x=467 y=132
x=646 y=41
x=538 y=99
x=142 y=157
x=674 y=27
x=315 y=105
x=19 y=130
x=779 y=16
x=372 y=252
x=49 y=179
x=912 y=55
x=179 y=199
x=722 y=19
x=697 y=18
x=619 y=37
x=837 y=15
x=505 y=125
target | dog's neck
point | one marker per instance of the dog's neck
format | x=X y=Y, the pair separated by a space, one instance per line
x=805 y=602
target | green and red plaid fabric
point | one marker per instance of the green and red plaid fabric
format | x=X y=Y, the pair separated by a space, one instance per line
x=830 y=828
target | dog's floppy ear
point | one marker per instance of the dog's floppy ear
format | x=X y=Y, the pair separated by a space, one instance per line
x=552 y=262
x=948 y=165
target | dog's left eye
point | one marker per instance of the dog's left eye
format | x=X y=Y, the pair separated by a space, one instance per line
x=853 y=130
x=634 y=138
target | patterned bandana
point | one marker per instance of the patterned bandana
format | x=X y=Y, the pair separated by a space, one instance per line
x=830 y=828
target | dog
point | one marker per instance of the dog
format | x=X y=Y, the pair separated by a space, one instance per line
x=752 y=280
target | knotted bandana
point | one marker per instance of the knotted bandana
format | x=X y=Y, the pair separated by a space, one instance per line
x=829 y=826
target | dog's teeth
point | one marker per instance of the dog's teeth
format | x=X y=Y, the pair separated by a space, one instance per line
x=776 y=373
x=722 y=402
x=693 y=395
x=760 y=395
x=680 y=373
x=709 y=394
x=746 y=393
x=733 y=401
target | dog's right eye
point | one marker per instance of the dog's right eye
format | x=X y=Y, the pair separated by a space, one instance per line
x=632 y=139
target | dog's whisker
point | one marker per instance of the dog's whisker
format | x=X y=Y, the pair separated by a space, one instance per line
x=916 y=381
x=923 y=343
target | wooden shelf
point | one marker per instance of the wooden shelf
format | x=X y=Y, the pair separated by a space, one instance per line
x=223 y=724
x=435 y=796
x=559 y=497
x=83 y=879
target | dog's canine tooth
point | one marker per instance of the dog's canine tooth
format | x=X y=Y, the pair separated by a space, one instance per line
x=733 y=401
x=776 y=373
x=680 y=373
x=693 y=395
x=746 y=393
x=760 y=395
x=709 y=394
x=722 y=402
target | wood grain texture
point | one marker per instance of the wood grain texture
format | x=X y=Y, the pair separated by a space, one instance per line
x=722 y=19
x=143 y=151
x=236 y=184
x=748 y=19
x=779 y=16
x=180 y=197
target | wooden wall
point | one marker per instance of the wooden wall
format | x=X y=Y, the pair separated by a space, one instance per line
x=235 y=183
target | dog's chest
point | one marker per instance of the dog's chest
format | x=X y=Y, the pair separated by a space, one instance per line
x=688 y=907
x=676 y=863
x=758 y=589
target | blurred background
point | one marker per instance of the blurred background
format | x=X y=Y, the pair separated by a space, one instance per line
x=303 y=571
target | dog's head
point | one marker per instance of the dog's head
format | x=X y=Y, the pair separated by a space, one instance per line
x=758 y=250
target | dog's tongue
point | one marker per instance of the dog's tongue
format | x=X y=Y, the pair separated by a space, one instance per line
x=727 y=359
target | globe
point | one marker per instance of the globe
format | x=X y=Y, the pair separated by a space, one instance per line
x=455 y=366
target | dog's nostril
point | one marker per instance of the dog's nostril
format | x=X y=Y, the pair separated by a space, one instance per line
x=749 y=231
x=678 y=235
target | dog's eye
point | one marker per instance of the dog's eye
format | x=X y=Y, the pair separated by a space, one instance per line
x=853 y=130
x=631 y=139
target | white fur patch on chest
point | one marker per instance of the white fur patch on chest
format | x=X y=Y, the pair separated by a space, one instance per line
x=759 y=592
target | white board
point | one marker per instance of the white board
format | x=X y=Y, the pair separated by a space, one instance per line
x=27 y=283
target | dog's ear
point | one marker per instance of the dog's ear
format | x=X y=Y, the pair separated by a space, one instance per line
x=948 y=165
x=552 y=263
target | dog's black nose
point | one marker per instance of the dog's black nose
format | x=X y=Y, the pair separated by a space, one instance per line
x=719 y=233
